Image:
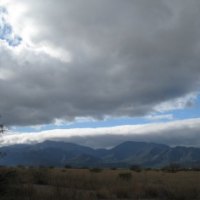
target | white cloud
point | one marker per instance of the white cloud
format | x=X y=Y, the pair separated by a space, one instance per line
x=182 y=132
x=54 y=52
x=177 y=103
x=5 y=74
x=155 y=117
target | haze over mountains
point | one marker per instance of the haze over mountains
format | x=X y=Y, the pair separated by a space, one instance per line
x=51 y=153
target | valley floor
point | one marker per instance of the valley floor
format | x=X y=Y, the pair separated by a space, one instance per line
x=96 y=184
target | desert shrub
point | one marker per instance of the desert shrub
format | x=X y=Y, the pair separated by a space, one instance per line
x=68 y=166
x=173 y=167
x=152 y=191
x=40 y=176
x=136 y=168
x=96 y=170
x=83 y=167
x=122 y=192
x=6 y=178
x=22 y=192
x=149 y=169
x=127 y=176
x=103 y=193
x=21 y=166
x=197 y=169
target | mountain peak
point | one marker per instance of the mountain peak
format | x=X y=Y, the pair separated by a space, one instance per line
x=59 y=153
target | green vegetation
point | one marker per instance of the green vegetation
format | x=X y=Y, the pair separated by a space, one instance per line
x=82 y=184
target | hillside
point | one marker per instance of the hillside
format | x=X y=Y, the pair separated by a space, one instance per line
x=51 y=153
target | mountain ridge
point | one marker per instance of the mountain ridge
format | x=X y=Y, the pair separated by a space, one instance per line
x=59 y=153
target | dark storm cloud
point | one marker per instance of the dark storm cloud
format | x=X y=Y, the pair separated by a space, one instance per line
x=127 y=57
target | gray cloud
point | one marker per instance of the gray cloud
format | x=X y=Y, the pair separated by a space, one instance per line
x=127 y=57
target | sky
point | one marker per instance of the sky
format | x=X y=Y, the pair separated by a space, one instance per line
x=98 y=73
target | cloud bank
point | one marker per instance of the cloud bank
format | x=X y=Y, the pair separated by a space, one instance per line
x=183 y=132
x=98 y=58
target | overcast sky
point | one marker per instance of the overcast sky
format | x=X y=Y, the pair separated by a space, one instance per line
x=65 y=61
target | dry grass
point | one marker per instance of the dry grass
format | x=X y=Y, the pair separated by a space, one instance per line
x=82 y=184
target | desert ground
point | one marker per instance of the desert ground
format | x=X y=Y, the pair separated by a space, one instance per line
x=22 y=183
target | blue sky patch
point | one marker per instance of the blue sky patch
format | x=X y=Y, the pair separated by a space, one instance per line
x=179 y=114
x=6 y=30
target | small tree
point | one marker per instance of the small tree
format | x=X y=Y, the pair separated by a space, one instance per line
x=135 y=168
x=2 y=129
x=172 y=167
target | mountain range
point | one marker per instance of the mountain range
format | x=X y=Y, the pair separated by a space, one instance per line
x=56 y=153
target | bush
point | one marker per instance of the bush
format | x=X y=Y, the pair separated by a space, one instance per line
x=96 y=170
x=173 y=167
x=6 y=177
x=68 y=166
x=136 y=168
x=125 y=176
x=40 y=176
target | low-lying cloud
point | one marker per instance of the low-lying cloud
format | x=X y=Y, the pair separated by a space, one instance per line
x=183 y=132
